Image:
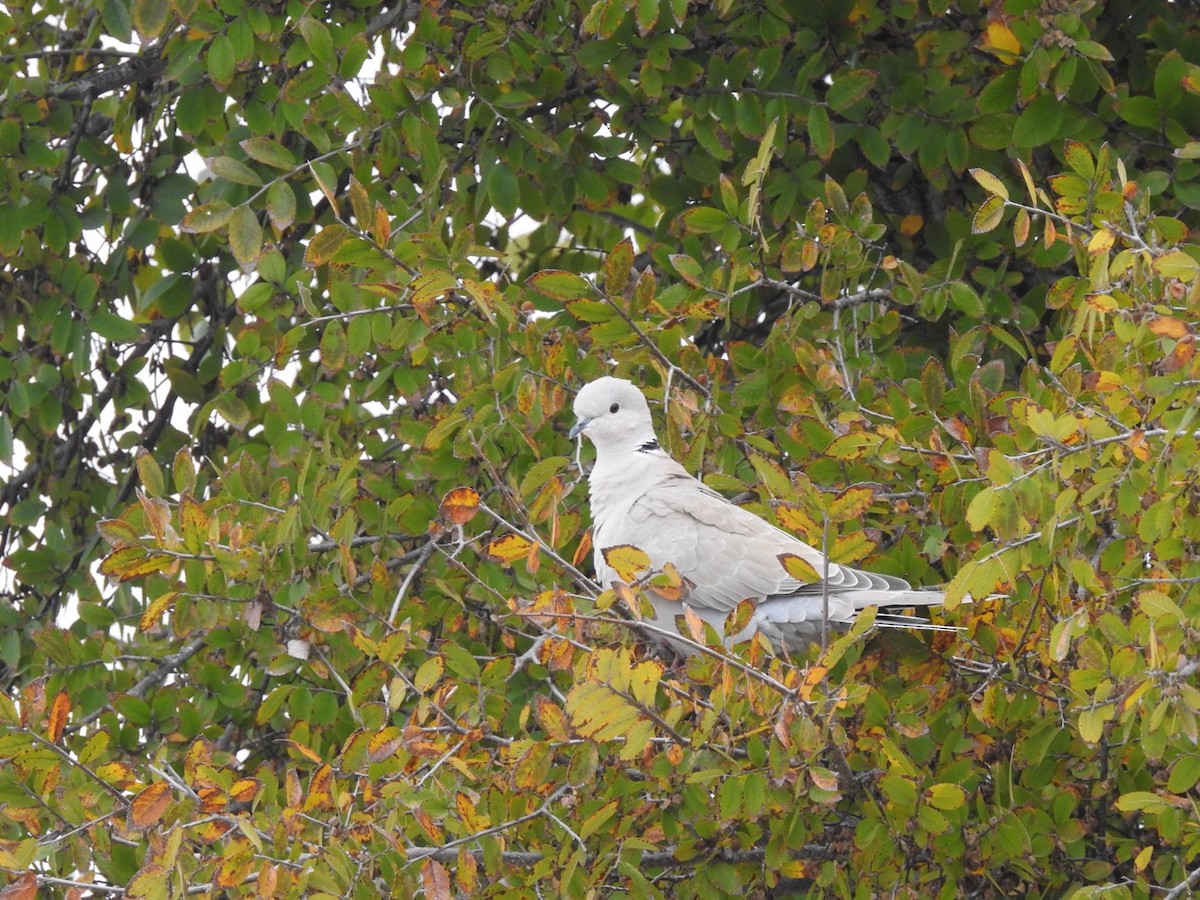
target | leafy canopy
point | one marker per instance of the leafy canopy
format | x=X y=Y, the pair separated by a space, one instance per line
x=294 y=297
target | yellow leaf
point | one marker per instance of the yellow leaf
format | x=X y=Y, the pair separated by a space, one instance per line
x=133 y=562
x=1143 y=858
x=800 y=569
x=509 y=548
x=945 y=796
x=852 y=503
x=989 y=215
x=1100 y=241
x=1000 y=41
x=319 y=788
x=1028 y=179
x=149 y=473
x=990 y=183
x=429 y=673
x=383 y=744
x=979 y=511
x=628 y=561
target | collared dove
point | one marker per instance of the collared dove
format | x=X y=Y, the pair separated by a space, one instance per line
x=641 y=497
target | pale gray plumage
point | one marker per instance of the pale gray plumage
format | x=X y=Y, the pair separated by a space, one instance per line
x=639 y=496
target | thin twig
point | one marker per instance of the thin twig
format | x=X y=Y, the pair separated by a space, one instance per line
x=422 y=559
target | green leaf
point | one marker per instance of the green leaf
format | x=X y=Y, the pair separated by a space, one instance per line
x=646 y=12
x=114 y=328
x=150 y=17
x=322 y=247
x=320 y=42
x=1140 y=111
x=820 y=132
x=429 y=673
x=117 y=21
x=1093 y=50
x=1039 y=123
x=206 y=218
x=946 y=796
x=702 y=220
x=800 y=569
x=688 y=268
x=333 y=347
x=221 y=60
x=560 y=285
x=245 y=236
x=503 y=189
x=269 y=152
x=232 y=170
x=849 y=87
x=281 y=205
x=1184 y=774
x=1139 y=801
x=1177 y=264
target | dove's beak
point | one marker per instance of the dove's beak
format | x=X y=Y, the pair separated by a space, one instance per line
x=578 y=428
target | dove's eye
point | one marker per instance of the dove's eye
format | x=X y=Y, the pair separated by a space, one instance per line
x=614 y=407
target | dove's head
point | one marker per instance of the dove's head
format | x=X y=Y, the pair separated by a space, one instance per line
x=613 y=413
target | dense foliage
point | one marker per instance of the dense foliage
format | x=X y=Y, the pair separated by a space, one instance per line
x=294 y=298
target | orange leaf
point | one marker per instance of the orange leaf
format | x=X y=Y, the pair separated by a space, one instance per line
x=1137 y=445
x=212 y=799
x=292 y=789
x=268 y=880
x=427 y=824
x=436 y=880
x=459 y=506
x=551 y=717
x=695 y=624
x=24 y=889
x=813 y=677
x=584 y=548
x=1168 y=326
x=148 y=806
x=245 y=789
x=958 y=430
x=59 y=710
x=1180 y=356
